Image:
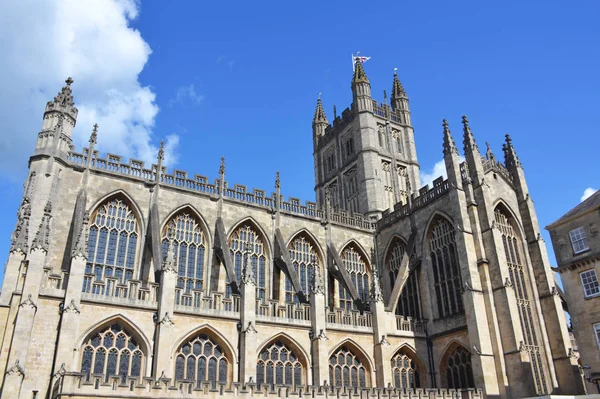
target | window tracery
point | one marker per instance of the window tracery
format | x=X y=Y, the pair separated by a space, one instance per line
x=201 y=359
x=255 y=249
x=278 y=364
x=405 y=371
x=112 y=352
x=459 y=372
x=409 y=301
x=347 y=370
x=446 y=269
x=358 y=270
x=304 y=258
x=112 y=248
x=189 y=245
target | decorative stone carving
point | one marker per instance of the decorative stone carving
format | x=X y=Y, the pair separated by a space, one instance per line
x=376 y=294
x=384 y=341
x=248 y=268
x=28 y=303
x=468 y=287
x=250 y=329
x=170 y=263
x=316 y=285
x=166 y=320
x=42 y=237
x=508 y=283
x=61 y=371
x=322 y=336
x=476 y=350
x=16 y=369
x=71 y=308
x=81 y=245
x=20 y=237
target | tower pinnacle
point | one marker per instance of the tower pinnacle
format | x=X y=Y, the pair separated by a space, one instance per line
x=320 y=116
x=468 y=140
x=397 y=89
x=511 y=160
x=360 y=76
x=449 y=144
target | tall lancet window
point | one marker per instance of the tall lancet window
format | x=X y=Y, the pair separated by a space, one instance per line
x=278 y=363
x=245 y=240
x=516 y=261
x=304 y=258
x=446 y=269
x=202 y=359
x=407 y=374
x=409 y=301
x=347 y=370
x=189 y=244
x=112 y=249
x=357 y=268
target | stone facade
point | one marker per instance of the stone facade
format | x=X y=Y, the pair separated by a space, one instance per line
x=576 y=245
x=127 y=281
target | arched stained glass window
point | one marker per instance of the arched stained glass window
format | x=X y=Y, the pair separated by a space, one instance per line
x=201 y=359
x=347 y=370
x=409 y=301
x=189 y=245
x=358 y=270
x=446 y=269
x=112 y=352
x=459 y=372
x=246 y=238
x=112 y=248
x=279 y=364
x=405 y=372
x=304 y=258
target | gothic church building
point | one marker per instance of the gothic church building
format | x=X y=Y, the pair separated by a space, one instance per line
x=127 y=280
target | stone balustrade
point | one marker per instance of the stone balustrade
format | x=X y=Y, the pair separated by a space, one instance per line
x=343 y=319
x=288 y=313
x=196 y=301
x=409 y=324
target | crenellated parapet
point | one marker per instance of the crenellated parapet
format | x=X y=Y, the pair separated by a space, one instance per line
x=77 y=385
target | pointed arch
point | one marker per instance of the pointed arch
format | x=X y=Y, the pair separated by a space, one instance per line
x=193 y=211
x=304 y=255
x=358 y=246
x=427 y=231
x=445 y=265
x=456 y=370
x=312 y=238
x=408 y=370
x=349 y=365
x=281 y=360
x=115 y=240
x=114 y=347
x=204 y=355
x=188 y=232
x=501 y=204
x=248 y=231
x=357 y=264
x=209 y=330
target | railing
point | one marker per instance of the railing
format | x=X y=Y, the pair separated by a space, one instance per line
x=214 y=303
x=342 y=318
x=289 y=312
x=410 y=325
x=112 y=290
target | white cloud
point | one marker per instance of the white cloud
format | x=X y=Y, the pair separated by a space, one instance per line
x=186 y=93
x=587 y=193
x=439 y=169
x=46 y=41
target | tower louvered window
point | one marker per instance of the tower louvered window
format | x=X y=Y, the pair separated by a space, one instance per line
x=112 y=352
x=405 y=371
x=189 y=246
x=459 y=372
x=409 y=301
x=347 y=370
x=112 y=249
x=515 y=260
x=446 y=270
x=304 y=258
x=357 y=268
x=245 y=241
x=201 y=359
x=279 y=364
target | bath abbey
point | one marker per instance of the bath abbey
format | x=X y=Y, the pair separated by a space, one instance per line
x=128 y=280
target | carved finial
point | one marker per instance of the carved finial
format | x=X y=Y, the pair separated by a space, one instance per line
x=376 y=294
x=81 y=245
x=511 y=160
x=20 y=237
x=397 y=89
x=334 y=112
x=320 y=116
x=161 y=151
x=488 y=153
x=385 y=96
x=94 y=134
x=468 y=140
x=222 y=166
x=42 y=237
x=69 y=81
x=360 y=76
x=277 y=181
x=449 y=144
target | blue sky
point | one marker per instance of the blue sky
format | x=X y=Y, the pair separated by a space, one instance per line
x=241 y=79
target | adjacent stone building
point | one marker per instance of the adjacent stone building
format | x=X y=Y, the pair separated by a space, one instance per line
x=127 y=280
x=576 y=245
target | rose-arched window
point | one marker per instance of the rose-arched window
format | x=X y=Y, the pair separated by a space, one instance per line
x=246 y=242
x=112 y=351
x=446 y=269
x=304 y=258
x=357 y=268
x=201 y=359
x=278 y=363
x=458 y=370
x=112 y=248
x=409 y=301
x=347 y=370
x=406 y=373
x=189 y=245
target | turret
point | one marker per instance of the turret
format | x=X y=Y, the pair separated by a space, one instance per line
x=60 y=117
x=513 y=164
x=400 y=101
x=451 y=158
x=320 y=122
x=472 y=154
x=361 y=90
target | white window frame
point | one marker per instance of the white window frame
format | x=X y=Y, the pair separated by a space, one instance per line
x=589 y=272
x=597 y=333
x=578 y=240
